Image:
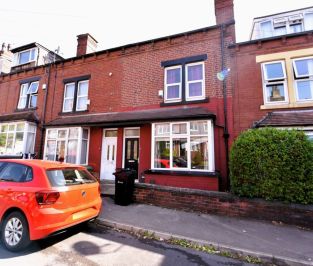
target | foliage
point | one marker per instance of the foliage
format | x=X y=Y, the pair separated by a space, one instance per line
x=273 y=164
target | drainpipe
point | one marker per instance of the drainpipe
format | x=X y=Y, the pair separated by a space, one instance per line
x=43 y=116
x=225 y=133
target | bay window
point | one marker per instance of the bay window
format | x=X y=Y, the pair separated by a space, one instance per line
x=303 y=70
x=183 y=146
x=17 y=138
x=67 y=144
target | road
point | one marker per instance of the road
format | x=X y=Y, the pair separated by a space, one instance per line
x=91 y=246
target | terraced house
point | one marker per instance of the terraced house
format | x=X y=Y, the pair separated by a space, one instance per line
x=273 y=73
x=156 y=106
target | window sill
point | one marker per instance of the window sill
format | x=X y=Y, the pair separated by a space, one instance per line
x=181 y=173
x=286 y=105
x=26 y=109
x=163 y=104
x=73 y=113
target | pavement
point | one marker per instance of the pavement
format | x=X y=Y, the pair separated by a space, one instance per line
x=272 y=242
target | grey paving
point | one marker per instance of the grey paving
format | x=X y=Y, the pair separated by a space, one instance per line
x=289 y=244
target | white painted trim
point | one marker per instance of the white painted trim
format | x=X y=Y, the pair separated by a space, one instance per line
x=193 y=98
x=172 y=84
x=81 y=96
x=171 y=136
x=65 y=88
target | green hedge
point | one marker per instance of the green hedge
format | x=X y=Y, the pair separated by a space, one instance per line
x=273 y=164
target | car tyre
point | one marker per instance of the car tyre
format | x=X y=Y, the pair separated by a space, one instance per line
x=14 y=232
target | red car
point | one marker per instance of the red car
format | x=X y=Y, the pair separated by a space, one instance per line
x=39 y=198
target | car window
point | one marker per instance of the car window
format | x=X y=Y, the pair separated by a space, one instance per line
x=14 y=172
x=69 y=177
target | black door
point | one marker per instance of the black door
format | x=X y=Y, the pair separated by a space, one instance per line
x=132 y=154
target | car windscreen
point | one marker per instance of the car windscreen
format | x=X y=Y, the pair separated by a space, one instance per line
x=69 y=177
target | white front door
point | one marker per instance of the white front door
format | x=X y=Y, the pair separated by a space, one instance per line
x=108 y=157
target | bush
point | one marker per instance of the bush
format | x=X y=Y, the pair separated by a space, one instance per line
x=273 y=164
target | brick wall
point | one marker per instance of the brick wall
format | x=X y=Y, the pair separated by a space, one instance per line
x=221 y=203
x=247 y=77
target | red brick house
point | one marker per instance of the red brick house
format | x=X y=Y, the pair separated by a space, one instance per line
x=273 y=73
x=154 y=106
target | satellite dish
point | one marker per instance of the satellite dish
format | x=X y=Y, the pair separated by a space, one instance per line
x=223 y=74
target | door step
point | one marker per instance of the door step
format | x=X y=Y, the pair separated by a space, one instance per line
x=107 y=187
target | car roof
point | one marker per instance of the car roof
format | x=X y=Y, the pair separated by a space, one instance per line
x=42 y=163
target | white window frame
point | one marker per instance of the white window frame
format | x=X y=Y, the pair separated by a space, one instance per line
x=27 y=127
x=305 y=23
x=202 y=96
x=68 y=98
x=31 y=50
x=179 y=99
x=266 y=81
x=299 y=78
x=23 y=95
x=66 y=139
x=171 y=136
x=28 y=101
x=266 y=35
x=82 y=95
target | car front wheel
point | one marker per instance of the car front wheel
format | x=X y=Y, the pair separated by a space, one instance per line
x=14 y=232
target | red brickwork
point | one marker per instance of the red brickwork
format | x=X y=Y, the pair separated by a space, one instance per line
x=247 y=77
x=221 y=203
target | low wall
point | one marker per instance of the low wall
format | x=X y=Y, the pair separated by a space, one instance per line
x=222 y=203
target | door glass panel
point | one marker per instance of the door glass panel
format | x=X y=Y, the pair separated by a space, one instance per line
x=132 y=132
x=135 y=155
x=108 y=152
x=113 y=153
x=111 y=133
x=128 y=149
x=180 y=152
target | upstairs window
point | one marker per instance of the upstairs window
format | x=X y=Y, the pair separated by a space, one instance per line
x=308 y=21
x=266 y=29
x=274 y=82
x=303 y=70
x=173 y=83
x=75 y=95
x=25 y=57
x=184 y=79
x=28 y=95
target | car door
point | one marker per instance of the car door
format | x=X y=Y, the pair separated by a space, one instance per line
x=12 y=184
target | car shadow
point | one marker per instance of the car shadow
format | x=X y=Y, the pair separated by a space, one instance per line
x=42 y=244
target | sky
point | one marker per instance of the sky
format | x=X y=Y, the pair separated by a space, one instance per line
x=115 y=23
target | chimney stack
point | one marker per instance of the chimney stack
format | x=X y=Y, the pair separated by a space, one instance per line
x=6 y=58
x=85 y=44
x=224 y=11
